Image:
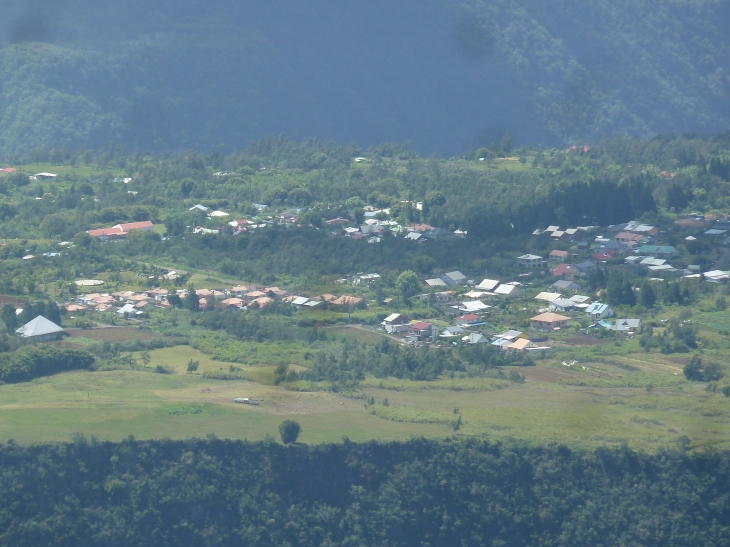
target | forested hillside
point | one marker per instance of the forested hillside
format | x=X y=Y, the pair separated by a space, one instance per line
x=443 y=75
x=418 y=493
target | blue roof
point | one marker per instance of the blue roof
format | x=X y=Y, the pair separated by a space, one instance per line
x=597 y=307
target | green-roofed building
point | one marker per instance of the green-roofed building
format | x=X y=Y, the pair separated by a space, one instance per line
x=657 y=250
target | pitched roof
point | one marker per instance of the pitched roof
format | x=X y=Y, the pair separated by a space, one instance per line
x=38 y=327
x=135 y=225
x=488 y=284
x=557 y=253
x=550 y=317
x=548 y=296
x=564 y=269
x=520 y=343
x=421 y=326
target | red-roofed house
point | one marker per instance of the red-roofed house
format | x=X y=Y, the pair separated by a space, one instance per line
x=120 y=231
x=468 y=319
x=603 y=256
x=422 y=330
x=565 y=270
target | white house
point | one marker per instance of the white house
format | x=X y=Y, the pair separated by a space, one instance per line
x=598 y=311
x=488 y=285
x=509 y=291
x=395 y=323
x=531 y=261
x=40 y=329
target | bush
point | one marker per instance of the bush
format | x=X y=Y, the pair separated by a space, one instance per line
x=35 y=361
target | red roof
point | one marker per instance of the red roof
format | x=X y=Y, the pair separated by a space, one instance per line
x=564 y=269
x=468 y=317
x=108 y=232
x=421 y=326
x=608 y=254
x=8 y=170
x=561 y=254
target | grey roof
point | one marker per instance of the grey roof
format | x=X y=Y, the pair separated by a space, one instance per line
x=38 y=327
x=455 y=276
x=563 y=284
x=587 y=265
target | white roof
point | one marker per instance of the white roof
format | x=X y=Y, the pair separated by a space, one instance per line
x=476 y=294
x=510 y=335
x=548 y=296
x=579 y=299
x=127 y=308
x=690 y=238
x=472 y=306
x=488 y=284
x=50 y=175
x=716 y=274
x=300 y=301
x=661 y=268
x=562 y=303
x=552 y=228
x=505 y=290
x=199 y=207
x=435 y=283
x=393 y=317
x=38 y=327
x=219 y=214
x=651 y=261
x=558 y=233
x=529 y=257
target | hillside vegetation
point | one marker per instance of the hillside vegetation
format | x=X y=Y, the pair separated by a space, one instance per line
x=417 y=493
x=444 y=75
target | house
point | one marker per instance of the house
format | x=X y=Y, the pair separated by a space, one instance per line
x=501 y=343
x=629 y=238
x=562 y=305
x=565 y=270
x=627 y=325
x=558 y=255
x=299 y=301
x=395 y=323
x=549 y=321
x=439 y=233
x=443 y=297
x=128 y=309
x=240 y=290
x=199 y=207
x=450 y=332
x=475 y=338
x=261 y=302
x=565 y=285
x=421 y=330
x=548 y=296
x=336 y=221
x=531 y=261
x=435 y=283
x=40 y=329
x=415 y=236
x=510 y=335
x=218 y=214
x=585 y=267
x=598 y=310
x=658 y=250
x=454 y=278
x=508 y=291
x=471 y=306
x=579 y=299
x=716 y=276
x=604 y=256
x=488 y=285
x=345 y=300
x=468 y=319
x=120 y=231
x=236 y=303
x=520 y=344
x=651 y=261
x=45 y=176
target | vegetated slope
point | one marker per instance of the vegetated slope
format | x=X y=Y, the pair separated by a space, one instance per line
x=417 y=493
x=444 y=75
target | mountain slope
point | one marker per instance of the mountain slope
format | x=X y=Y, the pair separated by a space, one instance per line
x=443 y=75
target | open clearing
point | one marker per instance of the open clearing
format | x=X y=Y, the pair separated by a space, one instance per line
x=111 y=334
x=605 y=403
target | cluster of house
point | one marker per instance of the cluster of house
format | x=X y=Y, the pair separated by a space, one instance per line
x=595 y=311
x=131 y=303
x=305 y=302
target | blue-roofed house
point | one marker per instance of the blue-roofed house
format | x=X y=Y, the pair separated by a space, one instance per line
x=598 y=311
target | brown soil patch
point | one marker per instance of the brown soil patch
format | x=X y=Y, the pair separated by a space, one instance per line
x=114 y=335
x=584 y=341
x=690 y=222
x=8 y=300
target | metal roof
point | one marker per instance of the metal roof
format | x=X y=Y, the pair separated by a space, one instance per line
x=38 y=327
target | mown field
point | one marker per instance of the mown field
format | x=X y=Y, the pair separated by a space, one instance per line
x=641 y=400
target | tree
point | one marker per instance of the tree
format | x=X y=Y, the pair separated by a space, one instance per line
x=10 y=318
x=407 y=284
x=435 y=198
x=174 y=299
x=289 y=431
x=193 y=366
x=192 y=300
x=647 y=296
x=145 y=356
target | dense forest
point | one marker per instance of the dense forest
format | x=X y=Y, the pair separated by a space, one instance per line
x=218 y=492
x=444 y=75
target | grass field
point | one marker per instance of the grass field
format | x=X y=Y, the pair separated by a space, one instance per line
x=642 y=400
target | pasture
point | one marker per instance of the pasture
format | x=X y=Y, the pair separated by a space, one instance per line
x=641 y=400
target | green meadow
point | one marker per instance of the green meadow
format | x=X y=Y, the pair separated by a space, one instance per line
x=641 y=400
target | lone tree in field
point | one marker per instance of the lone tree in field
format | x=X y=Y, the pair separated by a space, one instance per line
x=289 y=431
